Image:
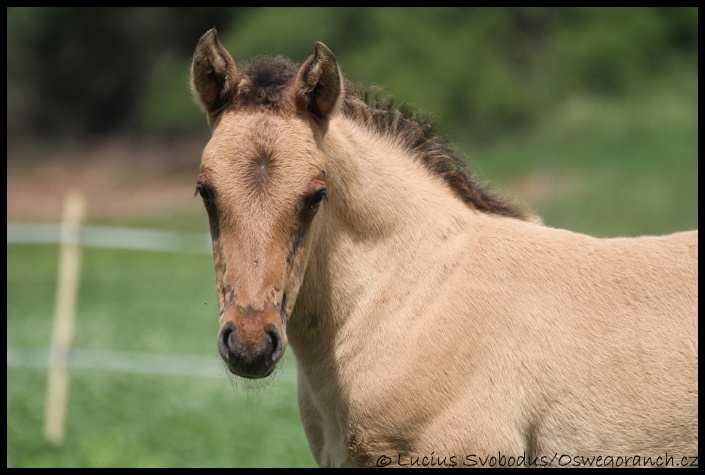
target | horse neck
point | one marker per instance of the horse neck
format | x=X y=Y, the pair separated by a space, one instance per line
x=378 y=190
x=384 y=211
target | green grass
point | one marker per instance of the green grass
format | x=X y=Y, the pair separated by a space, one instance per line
x=134 y=420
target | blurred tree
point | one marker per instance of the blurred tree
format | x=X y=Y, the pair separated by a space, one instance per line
x=88 y=71
x=82 y=71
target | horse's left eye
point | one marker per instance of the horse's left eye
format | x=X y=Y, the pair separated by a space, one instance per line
x=314 y=201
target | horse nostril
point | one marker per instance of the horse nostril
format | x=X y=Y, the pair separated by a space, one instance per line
x=223 y=342
x=276 y=338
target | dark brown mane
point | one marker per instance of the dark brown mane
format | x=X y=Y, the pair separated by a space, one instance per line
x=440 y=156
x=265 y=81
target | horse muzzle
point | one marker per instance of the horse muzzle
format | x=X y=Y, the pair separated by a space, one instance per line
x=251 y=345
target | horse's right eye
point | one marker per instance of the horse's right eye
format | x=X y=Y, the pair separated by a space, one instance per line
x=206 y=194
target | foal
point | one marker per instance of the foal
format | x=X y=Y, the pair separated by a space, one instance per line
x=432 y=323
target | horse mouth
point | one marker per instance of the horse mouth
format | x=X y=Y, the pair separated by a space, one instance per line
x=258 y=372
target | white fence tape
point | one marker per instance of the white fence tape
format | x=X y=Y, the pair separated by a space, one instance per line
x=146 y=363
x=122 y=361
x=113 y=237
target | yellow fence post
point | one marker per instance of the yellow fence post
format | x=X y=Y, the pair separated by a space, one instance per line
x=64 y=316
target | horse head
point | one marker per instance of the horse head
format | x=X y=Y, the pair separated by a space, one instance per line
x=262 y=181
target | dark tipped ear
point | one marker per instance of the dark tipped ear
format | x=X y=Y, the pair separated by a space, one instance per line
x=214 y=76
x=319 y=85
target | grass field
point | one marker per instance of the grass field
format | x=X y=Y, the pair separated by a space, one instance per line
x=141 y=302
x=604 y=168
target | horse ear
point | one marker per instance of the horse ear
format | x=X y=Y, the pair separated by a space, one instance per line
x=214 y=76
x=319 y=85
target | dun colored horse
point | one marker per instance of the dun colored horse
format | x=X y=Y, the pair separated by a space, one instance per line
x=433 y=323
